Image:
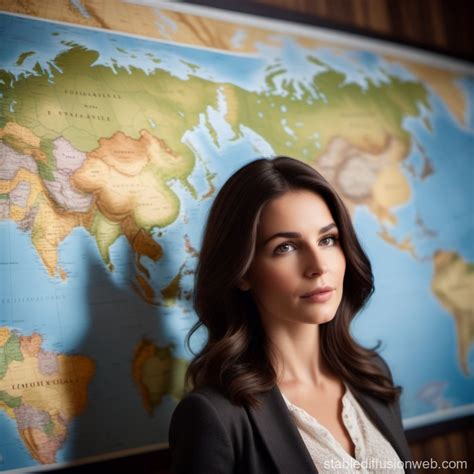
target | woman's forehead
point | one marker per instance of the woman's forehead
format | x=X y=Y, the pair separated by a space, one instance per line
x=299 y=209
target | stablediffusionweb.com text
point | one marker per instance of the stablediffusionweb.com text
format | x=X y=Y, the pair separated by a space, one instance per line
x=374 y=464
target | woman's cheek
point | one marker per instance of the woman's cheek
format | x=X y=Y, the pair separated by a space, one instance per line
x=279 y=278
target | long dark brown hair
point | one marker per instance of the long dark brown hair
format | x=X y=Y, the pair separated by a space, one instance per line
x=237 y=355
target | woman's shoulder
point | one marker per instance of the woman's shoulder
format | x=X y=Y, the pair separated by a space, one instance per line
x=207 y=394
x=199 y=434
x=205 y=418
x=209 y=402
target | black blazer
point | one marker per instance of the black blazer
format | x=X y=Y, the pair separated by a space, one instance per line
x=210 y=435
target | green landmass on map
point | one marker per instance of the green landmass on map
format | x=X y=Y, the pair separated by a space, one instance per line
x=127 y=100
x=23 y=56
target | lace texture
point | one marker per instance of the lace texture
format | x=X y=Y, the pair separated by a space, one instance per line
x=373 y=453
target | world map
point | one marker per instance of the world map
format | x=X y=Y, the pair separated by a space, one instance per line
x=115 y=137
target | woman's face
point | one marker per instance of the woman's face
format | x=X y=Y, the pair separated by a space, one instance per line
x=298 y=270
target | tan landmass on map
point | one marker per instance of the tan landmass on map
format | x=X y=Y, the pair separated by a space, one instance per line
x=128 y=178
x=158 y=23
x=171 y=292
x=427 y=168
x=142 y=244
x=157 y=373
x=453 y=285
x=58 y=10
x=190 y=249
x=17 y=213
x=405 y=245
x=43 y=448
x=42 y=391
x=32 y=207
x=51 y=226
x=22 y=140
x=30 y=345
x=4 y=335
x=367 y=172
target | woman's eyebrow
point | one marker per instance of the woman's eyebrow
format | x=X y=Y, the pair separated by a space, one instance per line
x=297 y=235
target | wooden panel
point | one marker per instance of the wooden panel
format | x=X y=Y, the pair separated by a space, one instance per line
x=446 y=25
x=453 y=446
x=376 y=15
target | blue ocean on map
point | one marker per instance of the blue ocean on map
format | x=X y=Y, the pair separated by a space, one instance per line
x=441 y=200
x=128 y=51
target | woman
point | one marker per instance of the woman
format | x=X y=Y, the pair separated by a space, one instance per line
x=281 y=385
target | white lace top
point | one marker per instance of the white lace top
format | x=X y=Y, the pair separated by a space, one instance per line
x=373 y=453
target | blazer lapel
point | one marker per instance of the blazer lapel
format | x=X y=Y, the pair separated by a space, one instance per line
x=280 y=434
x=385 y=421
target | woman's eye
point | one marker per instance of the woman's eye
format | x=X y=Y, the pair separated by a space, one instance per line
x=328 y=241
x=284 y=248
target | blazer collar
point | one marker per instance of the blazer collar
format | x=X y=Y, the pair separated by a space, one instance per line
x=280 y=434
x=285 y=444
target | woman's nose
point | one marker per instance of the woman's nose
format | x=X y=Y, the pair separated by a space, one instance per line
x=315 y=262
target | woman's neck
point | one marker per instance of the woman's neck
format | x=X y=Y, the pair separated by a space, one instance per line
x=296 y=354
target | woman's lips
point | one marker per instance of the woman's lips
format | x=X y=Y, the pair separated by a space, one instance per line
x=320 y=295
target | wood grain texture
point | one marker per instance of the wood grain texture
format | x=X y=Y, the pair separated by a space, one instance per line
x=443 y=25
x=453 y=446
